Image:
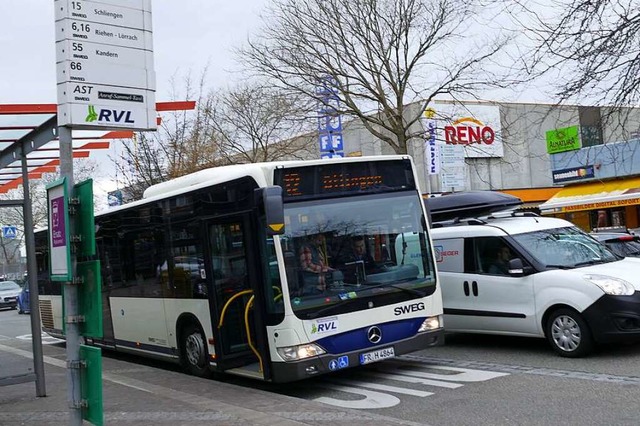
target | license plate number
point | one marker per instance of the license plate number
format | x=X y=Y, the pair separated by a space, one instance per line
x=378 y=355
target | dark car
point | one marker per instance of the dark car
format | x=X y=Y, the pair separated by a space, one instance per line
x=9 y=291
x=621 y=243
x=24 y=302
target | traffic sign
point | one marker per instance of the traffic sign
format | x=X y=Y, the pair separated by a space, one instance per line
x=110 y=13
x=59 y=243
x=86 y=93
x=73 y=29
x=9 y=232
x=107 y=74
x=105 y=116
x=103 y=54
x=104 y=63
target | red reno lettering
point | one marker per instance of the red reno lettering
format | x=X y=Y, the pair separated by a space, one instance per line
x=468 y=131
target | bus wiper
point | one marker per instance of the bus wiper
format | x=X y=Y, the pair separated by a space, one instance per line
x=412 y=291
x=326 y=309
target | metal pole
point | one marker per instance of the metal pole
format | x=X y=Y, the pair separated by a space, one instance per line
x=72 y=333
x=32 y=276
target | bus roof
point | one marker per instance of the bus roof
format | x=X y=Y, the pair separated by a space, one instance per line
x=261 y=172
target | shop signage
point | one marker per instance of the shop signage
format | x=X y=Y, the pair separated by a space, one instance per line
x=601 y=205
x=475 y=127
x=573 y=174
x=564 y=139
x=432 y=153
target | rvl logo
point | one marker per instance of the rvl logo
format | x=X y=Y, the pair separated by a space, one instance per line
x=326 y=326
x=109 y=116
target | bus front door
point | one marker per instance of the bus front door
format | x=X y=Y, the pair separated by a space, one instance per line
x=239 y=339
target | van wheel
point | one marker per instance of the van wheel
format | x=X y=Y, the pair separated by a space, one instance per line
x=194 y=355
x=568 y=333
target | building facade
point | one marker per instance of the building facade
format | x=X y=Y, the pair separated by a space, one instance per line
x=575 y=162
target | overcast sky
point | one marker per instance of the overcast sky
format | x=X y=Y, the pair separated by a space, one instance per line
x=187 y=35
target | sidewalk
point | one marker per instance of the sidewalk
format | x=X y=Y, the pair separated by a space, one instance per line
x=137 y=394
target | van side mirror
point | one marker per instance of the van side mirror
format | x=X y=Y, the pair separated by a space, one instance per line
x=269 y=201
x=516 y=267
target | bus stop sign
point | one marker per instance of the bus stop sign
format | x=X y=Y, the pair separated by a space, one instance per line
x=9 y=232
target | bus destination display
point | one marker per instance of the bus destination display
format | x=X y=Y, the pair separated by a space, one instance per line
x=345 y=178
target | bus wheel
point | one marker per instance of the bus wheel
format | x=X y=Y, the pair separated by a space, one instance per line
x=569 y=334
x=193 y=351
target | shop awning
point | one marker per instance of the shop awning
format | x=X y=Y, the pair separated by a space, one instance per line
x=594 y=195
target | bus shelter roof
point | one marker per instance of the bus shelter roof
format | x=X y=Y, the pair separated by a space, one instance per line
x=31 y=129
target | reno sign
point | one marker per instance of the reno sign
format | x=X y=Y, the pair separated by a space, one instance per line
x=474 y=126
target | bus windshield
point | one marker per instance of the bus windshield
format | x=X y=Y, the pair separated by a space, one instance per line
x=348 y=254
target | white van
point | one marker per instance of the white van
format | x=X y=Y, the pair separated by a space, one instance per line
x=557 y=282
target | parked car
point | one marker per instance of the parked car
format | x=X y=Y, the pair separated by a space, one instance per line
x=520 y=274
x=24 y=301
x=9 y=291
x=621 y=243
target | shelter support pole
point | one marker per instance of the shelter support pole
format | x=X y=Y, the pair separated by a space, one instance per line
x=72 y=332
x=32 y=276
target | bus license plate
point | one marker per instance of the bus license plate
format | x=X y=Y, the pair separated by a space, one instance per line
x=378 y=355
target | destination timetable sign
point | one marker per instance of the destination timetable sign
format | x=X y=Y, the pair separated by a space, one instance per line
x=104 y=64
x=100 y=54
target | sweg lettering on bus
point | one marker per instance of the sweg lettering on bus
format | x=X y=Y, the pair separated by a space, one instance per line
x=406 y=309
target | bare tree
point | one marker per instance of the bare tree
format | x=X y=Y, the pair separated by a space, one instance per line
x=141 y=164
x=257 y=123
x=591 y=48
x=184 y=143
x=382 y=55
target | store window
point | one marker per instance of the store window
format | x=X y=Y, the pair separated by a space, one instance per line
x=590 y=126
x=607 y=218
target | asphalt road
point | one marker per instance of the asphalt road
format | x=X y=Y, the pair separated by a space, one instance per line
x=472 y=380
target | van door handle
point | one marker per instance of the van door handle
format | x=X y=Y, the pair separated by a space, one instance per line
x=474 y=286
x=466 y=288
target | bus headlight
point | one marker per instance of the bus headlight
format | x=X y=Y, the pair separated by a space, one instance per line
x=611 y=285
x=295 y=353
x=430 y=324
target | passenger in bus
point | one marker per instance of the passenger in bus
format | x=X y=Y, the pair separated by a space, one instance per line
x=314 y=265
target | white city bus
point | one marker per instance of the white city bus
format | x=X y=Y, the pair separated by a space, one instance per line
x=202 y=271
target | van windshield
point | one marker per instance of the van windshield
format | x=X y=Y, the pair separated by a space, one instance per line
x=567 y=247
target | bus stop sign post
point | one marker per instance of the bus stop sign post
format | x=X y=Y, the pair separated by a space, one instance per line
x=89 y=302
x=71 y=221
x=63 y=266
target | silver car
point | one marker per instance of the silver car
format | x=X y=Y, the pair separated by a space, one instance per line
x=9 y=291
x=621 y=243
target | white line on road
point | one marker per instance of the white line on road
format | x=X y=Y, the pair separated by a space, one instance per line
x=407 y=377
x=379 y=386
